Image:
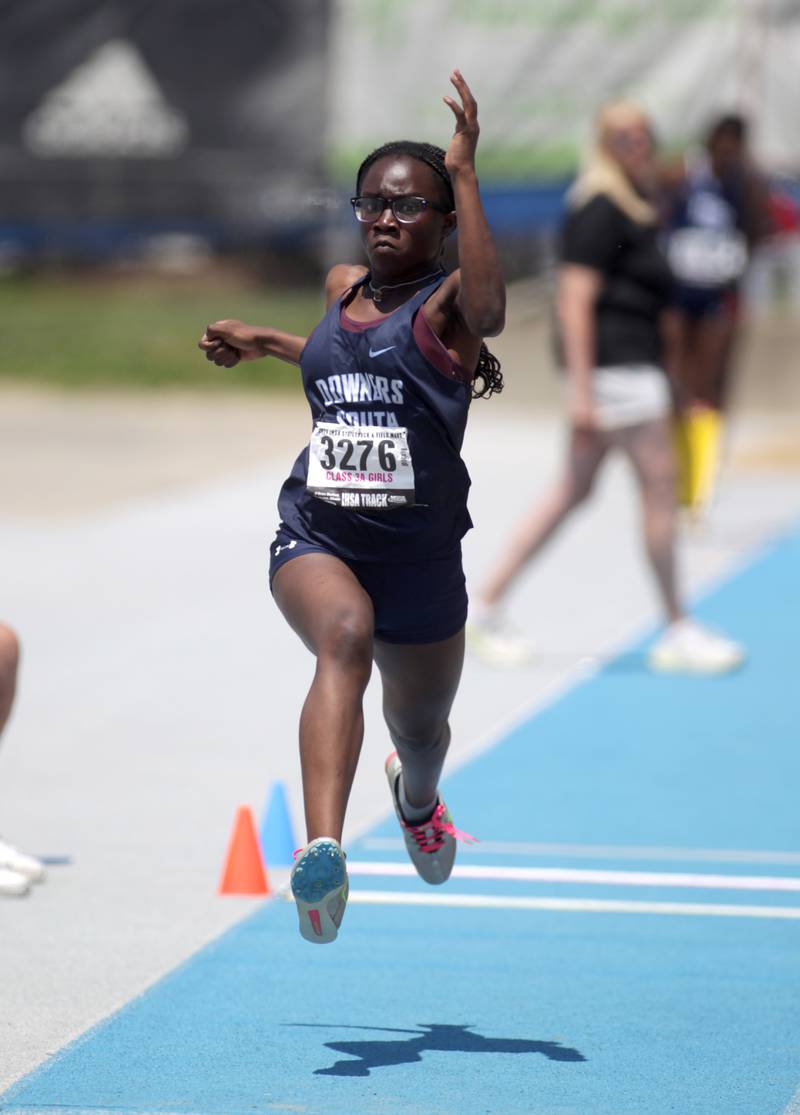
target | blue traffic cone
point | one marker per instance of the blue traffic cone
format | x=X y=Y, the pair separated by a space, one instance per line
x=276 y=833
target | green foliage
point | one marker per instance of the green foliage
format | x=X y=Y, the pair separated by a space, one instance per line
x=76 y=332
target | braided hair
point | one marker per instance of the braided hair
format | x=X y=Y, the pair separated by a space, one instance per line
x=487 y=373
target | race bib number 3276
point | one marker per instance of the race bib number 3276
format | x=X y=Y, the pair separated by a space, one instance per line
x=364 y=468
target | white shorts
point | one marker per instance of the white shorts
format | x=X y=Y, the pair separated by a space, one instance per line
x=630 y=394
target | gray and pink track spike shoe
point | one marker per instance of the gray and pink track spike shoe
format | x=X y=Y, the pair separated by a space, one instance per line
x=320 y=889
x=431 y=845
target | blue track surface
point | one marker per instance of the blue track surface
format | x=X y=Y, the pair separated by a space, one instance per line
x=434 y=1009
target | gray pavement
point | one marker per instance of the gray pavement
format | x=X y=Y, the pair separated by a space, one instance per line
x=160 y=687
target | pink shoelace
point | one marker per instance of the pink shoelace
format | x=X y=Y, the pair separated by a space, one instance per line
x=430 y=834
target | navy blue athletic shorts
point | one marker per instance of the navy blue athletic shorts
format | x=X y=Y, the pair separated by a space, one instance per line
x=414 y=601
x=706 y=302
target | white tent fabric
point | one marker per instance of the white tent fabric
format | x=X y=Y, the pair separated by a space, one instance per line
x=540 y=70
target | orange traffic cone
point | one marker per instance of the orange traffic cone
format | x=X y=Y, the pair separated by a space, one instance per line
x=244 y=871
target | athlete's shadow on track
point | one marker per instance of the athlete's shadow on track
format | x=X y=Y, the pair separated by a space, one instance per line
x=431 y=1037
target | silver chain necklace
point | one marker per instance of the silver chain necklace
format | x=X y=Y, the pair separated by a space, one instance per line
x=378 y=291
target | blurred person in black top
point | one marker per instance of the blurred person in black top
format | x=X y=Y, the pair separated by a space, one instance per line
x=613 y=286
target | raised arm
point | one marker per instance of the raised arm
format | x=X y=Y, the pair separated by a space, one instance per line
x=481 y=295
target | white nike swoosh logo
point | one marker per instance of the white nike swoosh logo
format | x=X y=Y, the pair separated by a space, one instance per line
x=377 y=351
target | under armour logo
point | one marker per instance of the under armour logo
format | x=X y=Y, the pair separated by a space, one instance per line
x=289 y=546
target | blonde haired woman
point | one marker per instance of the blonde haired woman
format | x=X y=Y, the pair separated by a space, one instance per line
x=612 y=288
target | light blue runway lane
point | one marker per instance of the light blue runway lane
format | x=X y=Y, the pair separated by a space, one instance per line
x=624 y=941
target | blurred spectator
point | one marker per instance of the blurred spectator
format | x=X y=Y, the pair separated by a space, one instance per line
x=613 y=284
x=17 y=870
x=717 y=213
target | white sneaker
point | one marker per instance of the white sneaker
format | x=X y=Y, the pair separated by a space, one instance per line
x=12 y=883
x=492 y=638
x=14 y=860
x=688 y=648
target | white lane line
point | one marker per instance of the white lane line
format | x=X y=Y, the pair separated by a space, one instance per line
x=595 y=878
x=794 y=1105
x=573 y=905
x=604 y=851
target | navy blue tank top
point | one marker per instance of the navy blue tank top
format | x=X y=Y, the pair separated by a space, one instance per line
x=378 y=376
x=706 y=245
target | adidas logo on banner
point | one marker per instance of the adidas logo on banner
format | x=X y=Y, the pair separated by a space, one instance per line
x=109 y=106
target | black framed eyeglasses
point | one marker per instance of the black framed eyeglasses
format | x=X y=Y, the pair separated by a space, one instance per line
x=405 y=209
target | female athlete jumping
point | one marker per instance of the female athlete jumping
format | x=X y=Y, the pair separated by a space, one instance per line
x=366 y=563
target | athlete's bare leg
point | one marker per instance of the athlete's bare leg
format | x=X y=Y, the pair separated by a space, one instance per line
x=419 y=685
x=714 y=339
x=323 y=602
x=585 y=454
x=649 y=448
x=9 y=659
x=677 y=329
x=703 y=350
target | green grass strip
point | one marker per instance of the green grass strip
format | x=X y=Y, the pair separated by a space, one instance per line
x=75 y=332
